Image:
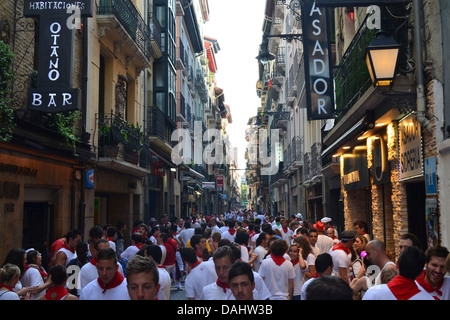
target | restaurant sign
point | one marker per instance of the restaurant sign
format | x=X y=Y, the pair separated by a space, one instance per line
x=410 y=141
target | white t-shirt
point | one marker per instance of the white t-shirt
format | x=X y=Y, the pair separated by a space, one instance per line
x=305 y=285
x=165 y=283
x=324 y=243
x=93 y=291
x=315 y=250
x=89 y=272
x=214 y=292
x=8 y=295
x=261 y=291
x=129 y=252
x=33 y=278
x=382 y=292
x=229 y=236
x=261 y=253
x=299 y=278
x=341 y=260
x=277 y=277
x=199 y=277
x=444 y=291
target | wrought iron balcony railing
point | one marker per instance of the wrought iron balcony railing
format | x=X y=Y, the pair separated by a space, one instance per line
x=146 y=35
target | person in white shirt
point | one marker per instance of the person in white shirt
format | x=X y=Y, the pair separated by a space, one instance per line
x=9 y=277
x=110 y=284
x=88 y=272
x=223 y=258
x=324 y=243
x=323 y=266
x=377 y=255
x=277 y=272
x=32 y=277
x=67 y=253
x=403 y=286
x=433 y=279
x=130 y=251
x=341 y=254
x=313 y=236
x=142 y=278
x=230 y=233
x=261 y=249
x=154 y=252
x=300 y=267
x=242 y=281
x=286 y=233
x=200 y=275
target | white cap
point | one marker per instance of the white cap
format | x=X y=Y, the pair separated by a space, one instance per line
x=299 y=216
x=325 y=220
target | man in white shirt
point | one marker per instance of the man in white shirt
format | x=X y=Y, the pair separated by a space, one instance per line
x=67 y=252
x=377 y=256
x=403 y=286
x=89 y=271
x=341 y=255
x=230 y=233
x=261 y=249
x=130 y=251
x=324 y=267
x=154 y=252
x=278 y=273
x=110 y=284
x=324 y=243
x=220 y=289
x=200 y=276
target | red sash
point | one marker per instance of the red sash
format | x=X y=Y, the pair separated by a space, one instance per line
x=278 y=259
x=116 y=281
x=340 y=246
x=231 y=231
x=56 y=293
x=421 y=280
x=224 y=286
x=403 y=288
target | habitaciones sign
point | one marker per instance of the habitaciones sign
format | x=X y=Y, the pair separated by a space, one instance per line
x=317 y=48
x=411 y=161
x=55 y=92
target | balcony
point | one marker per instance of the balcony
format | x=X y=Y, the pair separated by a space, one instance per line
x=121 y=146
x=181 y=57
x=181 y=114
x=120 y=21
x=201 y=87
x=159 y=130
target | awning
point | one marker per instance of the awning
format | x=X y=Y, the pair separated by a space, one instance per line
x=348 y=135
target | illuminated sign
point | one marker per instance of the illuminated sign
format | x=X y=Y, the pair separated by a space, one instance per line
x=410 y=140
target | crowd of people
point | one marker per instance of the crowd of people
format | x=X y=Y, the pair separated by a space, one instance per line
x=238 y=255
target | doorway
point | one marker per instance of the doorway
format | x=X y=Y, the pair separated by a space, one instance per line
x=38 y=228
x=415 y=193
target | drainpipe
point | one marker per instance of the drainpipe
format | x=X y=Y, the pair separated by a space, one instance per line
x=421 y=102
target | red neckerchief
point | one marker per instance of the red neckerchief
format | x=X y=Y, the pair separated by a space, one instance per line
x=43 y=274
x=251 y=233
x=68 y=248
x=224 y=286
x=278 y=259
x=5 y=286
x=94 y=261
x=403 y=288
x=424 y=284
x=340 y=246
x=193 y=265
x=316 y=275
x=110 y=239
x=200 y=255
x=139 y=245
x=56 y=293
x=295 y=262
x=285 y=229
x=231 y=231
x=116 y=281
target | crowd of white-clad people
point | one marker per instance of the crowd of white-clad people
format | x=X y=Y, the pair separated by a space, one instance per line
x=238 y=255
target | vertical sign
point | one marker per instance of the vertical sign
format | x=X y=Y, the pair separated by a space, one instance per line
x=430 y=176
x=219 y=183
x=54 y=92
x=318 y=74
x=410 y=148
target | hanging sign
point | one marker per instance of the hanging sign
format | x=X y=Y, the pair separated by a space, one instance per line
x=55 y=92
x=317 y=54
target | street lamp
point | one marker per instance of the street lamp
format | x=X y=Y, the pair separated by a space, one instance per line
x=265 y=55
x=381 y=58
